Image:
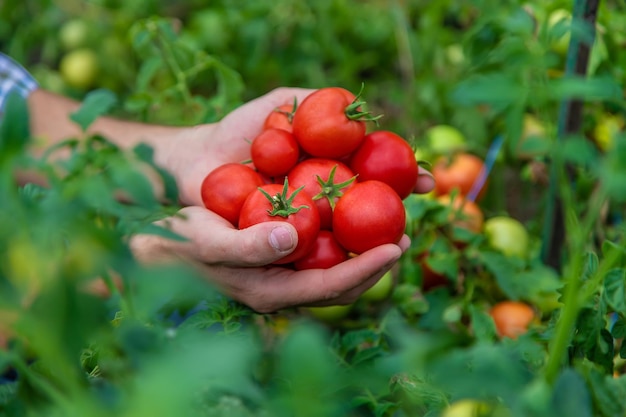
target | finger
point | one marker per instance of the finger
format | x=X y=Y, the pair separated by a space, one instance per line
x=213 y=240
x=425 y=182
x=342 y=284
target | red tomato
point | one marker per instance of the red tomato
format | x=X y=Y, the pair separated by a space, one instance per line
x=226 y=188
x=326 y=253
x=369 y=214
x=386 y=157
x=309 y=172
x=281 y=118
x=274 y=152
x=512 y=318
x=329 y=123
x=457 y=172
x=276 y=202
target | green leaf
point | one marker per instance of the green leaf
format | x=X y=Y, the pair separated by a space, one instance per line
x=570 y=396
x=482 y=324
x=615 y=290
x=95 y=104
x=14 y=126
x=578 y=150
x=589 y=89
x=497 y=89
x=145 y=153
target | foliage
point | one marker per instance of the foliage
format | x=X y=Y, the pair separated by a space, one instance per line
x=169 y=344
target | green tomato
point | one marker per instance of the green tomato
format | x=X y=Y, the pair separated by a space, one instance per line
x=74 y=34
x=380 y=290
x=79 y=68
x=560 y=42
x=466 y=408
x=330 y=314
x=507 y=235
x=606 y=129
x=445 y=140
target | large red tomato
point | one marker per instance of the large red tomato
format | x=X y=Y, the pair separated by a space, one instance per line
x=329 y=123
x=281 y=118
x=225 y=189
x=276 y=202
x=386 y=157
x=274 y=152
x=459 y=172
x=325 y=180
x=326 y=253
x=369 y=214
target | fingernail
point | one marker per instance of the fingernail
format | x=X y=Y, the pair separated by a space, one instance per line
x=281 y=239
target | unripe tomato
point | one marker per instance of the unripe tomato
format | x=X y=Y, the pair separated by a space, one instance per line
x=79 y=68
x=380 y=290
x=330 y=314
x=74 y=34
x=512 y=318
x=466 y=408
x=507 y=235
x=465 y=213
x=445 y=140
x=458 y=172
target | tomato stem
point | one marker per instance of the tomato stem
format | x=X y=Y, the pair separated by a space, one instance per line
x=282 y=204
x=291 y=113
x=353 y=110
x=330 y=190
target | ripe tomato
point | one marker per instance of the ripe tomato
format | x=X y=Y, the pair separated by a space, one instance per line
x=369 y=214
x=326 y=253
x=512 y=318
x=465 y=213
x=386 y=157
x=281 y=118
x=329 y=123
x=325 y=180
x=459 y=172
x=274 y=152
x=276 y=202
x=225 y=189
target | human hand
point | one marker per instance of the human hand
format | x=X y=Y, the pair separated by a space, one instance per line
x=239 y=261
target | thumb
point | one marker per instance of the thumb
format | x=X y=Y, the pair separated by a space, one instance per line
x=213 y=240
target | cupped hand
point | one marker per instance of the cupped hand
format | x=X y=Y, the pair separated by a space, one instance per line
x=238 y=262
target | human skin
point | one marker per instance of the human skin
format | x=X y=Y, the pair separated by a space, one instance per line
x=236 y=261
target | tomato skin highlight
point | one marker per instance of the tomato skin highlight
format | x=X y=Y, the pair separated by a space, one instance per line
x=322 y=127
x=458 y=172
x=512 y=318
x=225 y=189
x=369 y=214
x=256 y=209
x=305 y=173
x=325 y=253
x=280 y=118
x=386 y=157
x=274 y=152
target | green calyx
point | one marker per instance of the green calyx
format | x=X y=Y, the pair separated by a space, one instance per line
x=282 y=204
x=353 y=112
x=330 y=190
x=291 y=113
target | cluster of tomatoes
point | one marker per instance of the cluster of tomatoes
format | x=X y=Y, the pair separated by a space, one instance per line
x=316 y=166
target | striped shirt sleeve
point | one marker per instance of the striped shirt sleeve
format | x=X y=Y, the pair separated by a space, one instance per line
x=14 y=79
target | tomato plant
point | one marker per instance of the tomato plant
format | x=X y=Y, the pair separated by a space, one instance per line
x=275 y=202
x=457 y=172
x=369 y=214
x=274 y=152
x=329 y=123
x=386 y=157
x=326 y=252
x=225 y=189
x=325 y=180
x=463 y=213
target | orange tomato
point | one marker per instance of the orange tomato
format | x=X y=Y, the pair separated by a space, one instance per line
x=457 y=172
x=512 y=318
x=466 y=213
